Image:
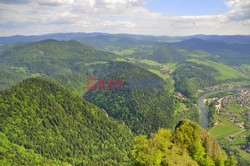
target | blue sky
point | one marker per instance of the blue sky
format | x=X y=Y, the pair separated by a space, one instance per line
x=187 y=7
x=150 y=17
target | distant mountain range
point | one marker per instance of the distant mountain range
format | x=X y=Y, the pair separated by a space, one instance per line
x=227 y=47
x=214 y=46
x=232 y=53
x=113 y=38
x=225 y=38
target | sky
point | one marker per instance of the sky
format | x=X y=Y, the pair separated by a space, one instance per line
x=187 y=7
x=148 y=17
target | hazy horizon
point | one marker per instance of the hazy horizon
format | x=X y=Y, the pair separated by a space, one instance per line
x=173 y=36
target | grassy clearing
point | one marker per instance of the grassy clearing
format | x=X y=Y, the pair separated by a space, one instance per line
x=165 y=76
x=20 y=69
x=36 y=75
x=170 y=66
x=128 y=51
x=150 y=62
x=241 y=138
x=224 y=129
x=200 y=54
x=147 y=49
x=120 y=59
x=225 y=71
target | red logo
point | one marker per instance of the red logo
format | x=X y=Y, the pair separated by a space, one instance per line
x=93 y=83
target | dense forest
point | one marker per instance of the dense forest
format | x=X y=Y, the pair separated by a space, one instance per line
x=162 y=53
x=189 y=144
x=190 y=77
x=65 y=62
x=44 y=120
x=230 y=53
x=143 y=110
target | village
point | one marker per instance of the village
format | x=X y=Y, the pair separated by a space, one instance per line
x=242 y=99
x=239 y=97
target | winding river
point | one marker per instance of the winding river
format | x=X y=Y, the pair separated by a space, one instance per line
x=204 y=112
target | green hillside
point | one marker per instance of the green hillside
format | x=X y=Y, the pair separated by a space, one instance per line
x=189 y=144
x=190 y=77
x=226 y=72
x=64 y=61
x=13 y=154
x=44 y=122
x=70 y=62
x=143 y=110
x=161 y=53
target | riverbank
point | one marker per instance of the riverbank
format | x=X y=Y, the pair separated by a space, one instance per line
x=204 y=119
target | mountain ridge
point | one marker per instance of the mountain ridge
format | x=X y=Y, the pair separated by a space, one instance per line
x=47 y=118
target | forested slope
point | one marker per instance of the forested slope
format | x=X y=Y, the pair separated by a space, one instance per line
x=64 y=61
x=188 y=145
x=143 y=110
x=40 y=116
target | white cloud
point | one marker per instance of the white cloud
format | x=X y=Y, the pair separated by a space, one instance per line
x=115 y=16
x=240 y=10
x=118 y=24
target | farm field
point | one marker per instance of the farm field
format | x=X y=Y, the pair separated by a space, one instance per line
x=224 y=129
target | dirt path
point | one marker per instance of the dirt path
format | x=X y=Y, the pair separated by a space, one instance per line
x=238 y=133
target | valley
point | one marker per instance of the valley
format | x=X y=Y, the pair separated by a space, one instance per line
x=46 y=97
x=124 y=83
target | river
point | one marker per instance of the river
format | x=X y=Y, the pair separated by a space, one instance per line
x=204 y=112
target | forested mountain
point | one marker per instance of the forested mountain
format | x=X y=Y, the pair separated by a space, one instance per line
x=65 y=61
x=161 y=53
x=98 y=40
x=233 y=53
x=144 y=110
x=190 y=77
x=70 y=62
x=189 y=144
x=104 y=37
x=214 y=47
x=225 y=38
x=42 y=122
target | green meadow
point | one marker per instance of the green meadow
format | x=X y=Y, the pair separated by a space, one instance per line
x=226 y=72
x=224 y=129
